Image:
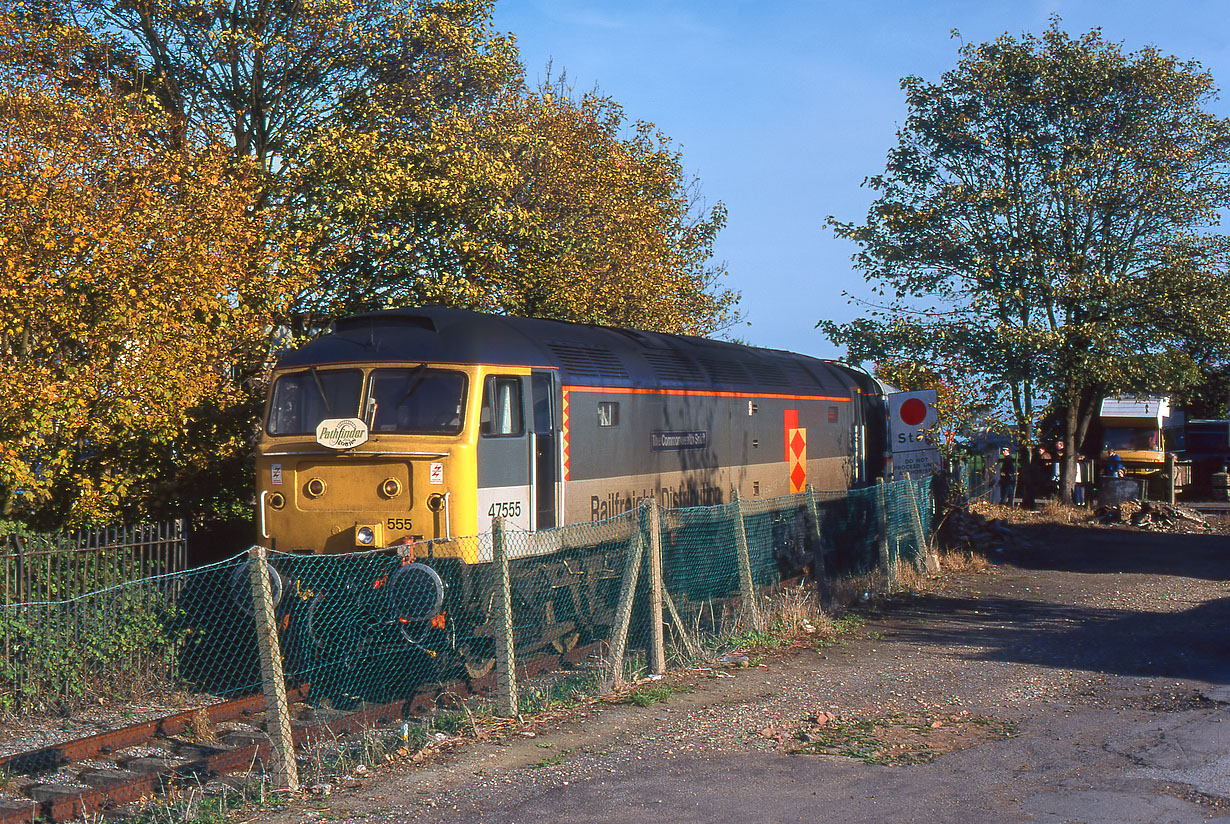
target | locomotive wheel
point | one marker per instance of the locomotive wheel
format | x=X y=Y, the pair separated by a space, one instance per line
x=241 y=586
x=476 y=660
x=563 y=640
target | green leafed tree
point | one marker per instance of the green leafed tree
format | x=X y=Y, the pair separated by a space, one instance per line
x=535 y=204
x=1046 y=222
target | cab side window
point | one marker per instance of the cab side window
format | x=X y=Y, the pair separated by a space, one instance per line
x=501 y=413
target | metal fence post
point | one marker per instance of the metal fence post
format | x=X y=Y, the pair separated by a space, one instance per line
x=657 y=642
x=505 y=660
x=1170 y=473
x=277 y=712
x=623 y=614
x=746 y=585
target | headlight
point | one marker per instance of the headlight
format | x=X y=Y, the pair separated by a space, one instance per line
x=391 y=488
x=365 y=536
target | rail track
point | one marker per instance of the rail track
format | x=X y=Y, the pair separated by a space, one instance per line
x=100 y=773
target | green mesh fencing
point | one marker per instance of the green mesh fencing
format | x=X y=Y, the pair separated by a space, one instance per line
x=409 y=624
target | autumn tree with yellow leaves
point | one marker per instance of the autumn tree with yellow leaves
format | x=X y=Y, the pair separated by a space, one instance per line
x=185 y=182
x=418 y=167
x=135 y=277
x=534 y=205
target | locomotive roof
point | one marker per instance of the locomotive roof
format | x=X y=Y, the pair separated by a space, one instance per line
x=584 y=354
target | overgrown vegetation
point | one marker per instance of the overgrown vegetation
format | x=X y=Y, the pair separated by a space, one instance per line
x=564 y=691
x=644 y=695
x=116 y=645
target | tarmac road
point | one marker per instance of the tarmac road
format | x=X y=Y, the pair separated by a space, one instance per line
x=1102 y=654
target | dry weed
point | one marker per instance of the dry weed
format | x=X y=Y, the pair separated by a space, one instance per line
x=1050 y=510
x=963 y=561
x=797 y=612
x=909 y=578
x=1058 y=512
x=201 y=729
x=793 y=608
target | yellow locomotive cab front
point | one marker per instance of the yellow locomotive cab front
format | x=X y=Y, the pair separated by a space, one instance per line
x=365 y=456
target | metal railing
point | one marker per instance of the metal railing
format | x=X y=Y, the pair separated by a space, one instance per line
x=59 y=566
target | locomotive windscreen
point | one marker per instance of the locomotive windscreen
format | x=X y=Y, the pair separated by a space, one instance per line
x=304 y=399
x=416 y=401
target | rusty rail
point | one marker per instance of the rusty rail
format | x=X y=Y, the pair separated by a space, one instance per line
x=54 y=803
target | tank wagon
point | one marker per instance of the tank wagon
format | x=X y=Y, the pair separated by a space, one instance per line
x=413 y=428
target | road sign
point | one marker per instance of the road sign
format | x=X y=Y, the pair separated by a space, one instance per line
x=911 y=417
x=917 y=464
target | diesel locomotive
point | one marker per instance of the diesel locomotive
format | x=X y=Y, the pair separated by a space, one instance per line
x=412 y=429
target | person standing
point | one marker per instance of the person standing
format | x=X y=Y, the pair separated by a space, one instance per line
x=1078 y=481
x=1007 y=477
x=1078 y=474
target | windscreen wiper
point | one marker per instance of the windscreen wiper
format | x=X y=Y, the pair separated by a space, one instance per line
x=416 y=378
x=320 y=387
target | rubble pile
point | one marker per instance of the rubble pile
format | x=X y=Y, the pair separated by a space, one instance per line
x=963 y=529
x=1152 y=515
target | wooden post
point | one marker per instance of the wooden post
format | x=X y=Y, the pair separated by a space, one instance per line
x=505 y=660
x=277 y=711
x=882 y=517
x=657 y=643
x=693 y=649
x=820 y=571
x=746 y=585
x=623 y=613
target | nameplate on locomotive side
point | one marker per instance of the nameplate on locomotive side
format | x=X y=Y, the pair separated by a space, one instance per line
x=341 y=433
x=672 y=441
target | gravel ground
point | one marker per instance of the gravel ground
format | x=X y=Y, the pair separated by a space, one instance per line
x=1086 y=677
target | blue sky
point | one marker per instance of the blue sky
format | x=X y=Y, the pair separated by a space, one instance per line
x=782 y=108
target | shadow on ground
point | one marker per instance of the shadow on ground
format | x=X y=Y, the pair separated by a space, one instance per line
x=1100 y=550
x=1177 y=639
x=1192 y=643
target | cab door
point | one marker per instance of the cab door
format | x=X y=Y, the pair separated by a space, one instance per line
x=504 y=443
x=545 y=458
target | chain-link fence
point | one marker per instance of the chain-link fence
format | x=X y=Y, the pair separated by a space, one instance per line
x=644 y=590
